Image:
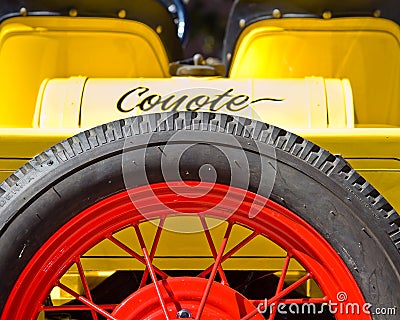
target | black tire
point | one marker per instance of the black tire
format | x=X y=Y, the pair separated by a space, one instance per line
x=321 y=188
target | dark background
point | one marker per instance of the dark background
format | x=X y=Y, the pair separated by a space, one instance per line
x=207 y=22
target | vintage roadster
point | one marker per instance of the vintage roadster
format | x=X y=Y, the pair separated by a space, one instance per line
x=141 y=185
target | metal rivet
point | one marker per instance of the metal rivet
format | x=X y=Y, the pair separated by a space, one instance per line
x=242 y=23
x=172 y=8
x=159 y=29
x=198 y=59
x=327 y=15
x=377 y=13
x=73 y=13
x=276 y=13
x=122 y=14
x=229 y=56
x=183 y=314
x=23 y=11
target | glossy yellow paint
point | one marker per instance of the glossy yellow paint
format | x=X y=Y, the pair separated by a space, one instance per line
x=18 y=145
x=364 y=50
x=64 y=47
x=8 y=166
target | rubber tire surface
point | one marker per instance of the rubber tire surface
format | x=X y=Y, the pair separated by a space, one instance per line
x=321 y=188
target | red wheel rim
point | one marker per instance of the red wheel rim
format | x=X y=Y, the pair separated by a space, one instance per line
x=104 y=219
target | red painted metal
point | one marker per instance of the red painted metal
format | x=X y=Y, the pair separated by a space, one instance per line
x=135 y=255
x=281 y=283
x=89 y=303
x=210 y=280
x=109 y=307
x=152 y=272
x=154 y=279
x=280 y=295
x=152 y=252
x=85 y=285
x=210 y=241
x=131 y=208
x=185 y=293
x=231 y=252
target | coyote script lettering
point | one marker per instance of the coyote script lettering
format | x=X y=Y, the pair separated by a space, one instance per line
x=185 y=102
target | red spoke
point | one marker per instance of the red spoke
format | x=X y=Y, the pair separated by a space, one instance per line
x=283 y=293
x=110 y=307
x=152 y=252
x=85 y=284
x=210 y=241
x=135 y=255
x=231 y=252
x=217 y=263
x=86 y=302
x=150 y=267
x=281 y=283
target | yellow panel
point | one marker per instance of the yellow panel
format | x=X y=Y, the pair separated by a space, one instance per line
x=35 y=48
x=8 y=166
x=364 y=50
x=386 y=182
x=4 y=174
x=384 y=174
x=372 y=165
x=27 y=142
x=374 y=153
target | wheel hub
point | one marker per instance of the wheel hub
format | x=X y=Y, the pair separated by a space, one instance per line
x=182 y=297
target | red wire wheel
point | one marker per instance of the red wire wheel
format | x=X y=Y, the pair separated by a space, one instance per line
x=168 y=297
